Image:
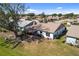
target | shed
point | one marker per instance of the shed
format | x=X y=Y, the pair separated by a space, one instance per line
x=72 y=35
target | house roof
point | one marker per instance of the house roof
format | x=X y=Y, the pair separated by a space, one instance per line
x=73 y=31
x=49 y=17
x=49 y=27
x=23 y=23
x=26 y=17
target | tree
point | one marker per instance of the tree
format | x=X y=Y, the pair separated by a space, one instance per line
x=42 y=15
x=59 y=14
x=54 y=14
x=12 y=9
x=2 y=14
x=31 y=14
x=69 y=15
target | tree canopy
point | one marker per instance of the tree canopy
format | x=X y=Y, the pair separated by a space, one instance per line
x=54 y=14
x=12 y=9
x=31 y=14
x=69 y=15
x=42 y=15
x=59 y=14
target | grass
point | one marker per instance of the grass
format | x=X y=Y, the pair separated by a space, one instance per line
x=45 y=48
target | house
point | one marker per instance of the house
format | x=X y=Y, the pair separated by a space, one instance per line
x=55 y=18
x=26 y=17
x=47 y=30
x=73 y=21
x=51 y=30
x=72 y=35
x=39 y=18
x=52 y=18
x=22 y=23
x=78 y=19
x=49 y=18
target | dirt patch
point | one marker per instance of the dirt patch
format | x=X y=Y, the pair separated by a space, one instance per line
x=6 y=34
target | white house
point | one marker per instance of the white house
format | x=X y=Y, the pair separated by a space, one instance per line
x=72 y=35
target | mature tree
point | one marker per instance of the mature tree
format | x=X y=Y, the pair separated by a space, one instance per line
x=54 y=14
x=42 y=15
x=69 y=15
x=59 y=14
x=12 y=9
x=2 y=14
x=31 y=14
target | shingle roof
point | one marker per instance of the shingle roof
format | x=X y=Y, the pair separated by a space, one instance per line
x=73 y=31
x=23 y=23
x=49 y=27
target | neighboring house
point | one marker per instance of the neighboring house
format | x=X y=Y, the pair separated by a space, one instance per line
x=49 y=18
x=72 y=35
x=22 y=23
x=78 y=19
x=71 y=22
x=61 y=17
x=55 y=18
x=39 y=18
x=26 y=17
x=51 y=30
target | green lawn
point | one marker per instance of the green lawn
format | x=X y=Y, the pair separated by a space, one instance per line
x=45 y=48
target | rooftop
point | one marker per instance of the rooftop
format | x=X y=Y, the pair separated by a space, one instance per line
x=49 y=27
x=23 y=22
x=73 y=31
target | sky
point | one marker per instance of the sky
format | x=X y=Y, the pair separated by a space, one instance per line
x=50 y=8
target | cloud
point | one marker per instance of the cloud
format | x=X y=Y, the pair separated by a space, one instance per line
x=30 y=10
x=33 y=11
x=59 y=7
x=51 y=11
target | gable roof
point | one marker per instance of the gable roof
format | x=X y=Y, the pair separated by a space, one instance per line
x=73 y=31
x=23 y=23
x=49 y=27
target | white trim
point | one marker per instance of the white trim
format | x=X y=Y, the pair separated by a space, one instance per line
x=44 y=34
x=51 y=36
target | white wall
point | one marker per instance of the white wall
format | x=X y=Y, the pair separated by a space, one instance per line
x=50 y=37
x=45 y=36
x=71 y=40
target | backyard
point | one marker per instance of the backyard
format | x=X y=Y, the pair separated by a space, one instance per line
x=44 y=48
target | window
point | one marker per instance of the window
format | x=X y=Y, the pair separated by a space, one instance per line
x=47 y=34
x=38 y=32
